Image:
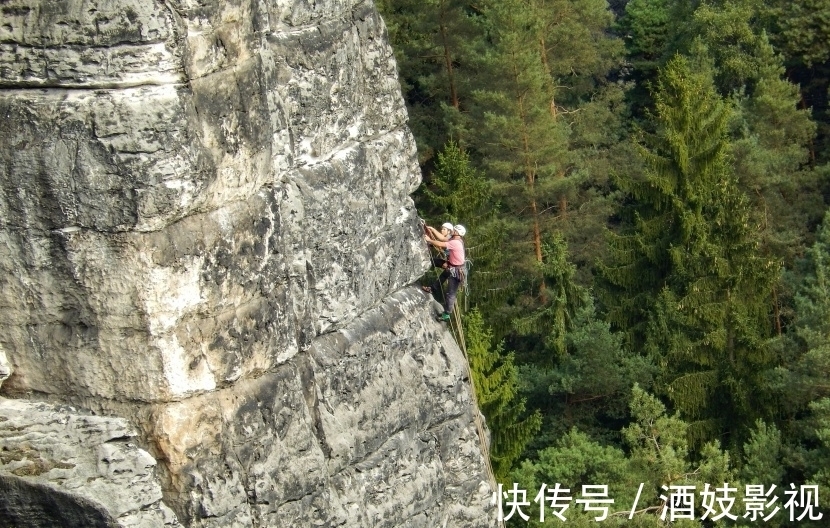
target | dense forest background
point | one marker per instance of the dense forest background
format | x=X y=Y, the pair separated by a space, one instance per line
x=645 y=186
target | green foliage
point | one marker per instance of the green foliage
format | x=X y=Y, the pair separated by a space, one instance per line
x=687 y=281
x=654 y=31
x=535 y=111
x=544 y=113
x=801 y=29
x=813 y=299
x=594 y=377
x=523 y=144
x=801 y=382
x=646 y=25
x=683 y=168
x=803 y=377
x=798 y=30
x=740 y=50
x=523 y=111
x=495 y=382
x=434 y=42
x=659 y=448
x=771 y=136
x=574 y=460
x=770 y=153
x=820 y=457
x=658 y=455
x=587 y=386
x=580 y=373
x=552 y=321
x=459 y=190
x=762 y=455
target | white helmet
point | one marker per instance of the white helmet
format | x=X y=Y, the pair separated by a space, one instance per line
x=460 y=229
x=447 y=225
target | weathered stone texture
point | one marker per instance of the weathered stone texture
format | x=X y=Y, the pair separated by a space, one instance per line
x=90 y=466
x=176 y=236
x=206 y=228
x=88 y=43
x=373 y=426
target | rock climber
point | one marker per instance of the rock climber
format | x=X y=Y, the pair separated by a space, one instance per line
x=444 y=235
x=453 y=273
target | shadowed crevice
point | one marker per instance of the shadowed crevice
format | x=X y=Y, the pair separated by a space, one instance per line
x=28 y=505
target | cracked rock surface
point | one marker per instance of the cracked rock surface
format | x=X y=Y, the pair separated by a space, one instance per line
x=175 y=234
x=373 y=426
x=206 y=237
x=62 y=467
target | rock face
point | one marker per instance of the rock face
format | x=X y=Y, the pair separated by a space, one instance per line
x=5 y=367
x=58 y=463
x=371 y=427
x=206 y=229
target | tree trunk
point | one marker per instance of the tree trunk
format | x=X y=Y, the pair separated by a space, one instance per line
x=777 y=311
x=530 y=175
x=448 y=59
x=530 y=178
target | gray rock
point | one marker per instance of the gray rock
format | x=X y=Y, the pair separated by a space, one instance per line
x=176 y=235
x=25 y=504
x=61 y=467
x=372 y=426
x=5 y=367
x=206 y=229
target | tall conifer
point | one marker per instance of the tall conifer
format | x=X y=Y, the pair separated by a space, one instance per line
x=686 y=282
x=771 y=134
x=546 y=63
x=434 y=42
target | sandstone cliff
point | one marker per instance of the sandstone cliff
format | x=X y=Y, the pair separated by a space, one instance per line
x=206 y=242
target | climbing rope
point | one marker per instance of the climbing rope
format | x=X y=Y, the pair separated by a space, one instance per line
x=458 y=331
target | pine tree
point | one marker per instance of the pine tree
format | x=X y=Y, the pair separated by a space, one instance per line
x=771 y=135
x=800 y=29
x=573 y=460
x=496 y=385
x=660 y=449
x=741 y=50
x=543 y=121
x=522 y=143
x=573 y=367
x=686 y=282
x=434 y=41
x=646 y=24
x=819 y=457
x=803 y=376
x=588 y=385
x=550 y=323
x=541 y=68
x=813 y=298
x=801 y=382
x=657 y=455
x=654 y=31
x=762 y=456
x=458 y=189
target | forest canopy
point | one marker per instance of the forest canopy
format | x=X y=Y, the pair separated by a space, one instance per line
x=645 y=186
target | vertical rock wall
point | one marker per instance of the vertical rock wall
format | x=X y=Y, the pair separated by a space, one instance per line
x=205 y=227
x=189 y=187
